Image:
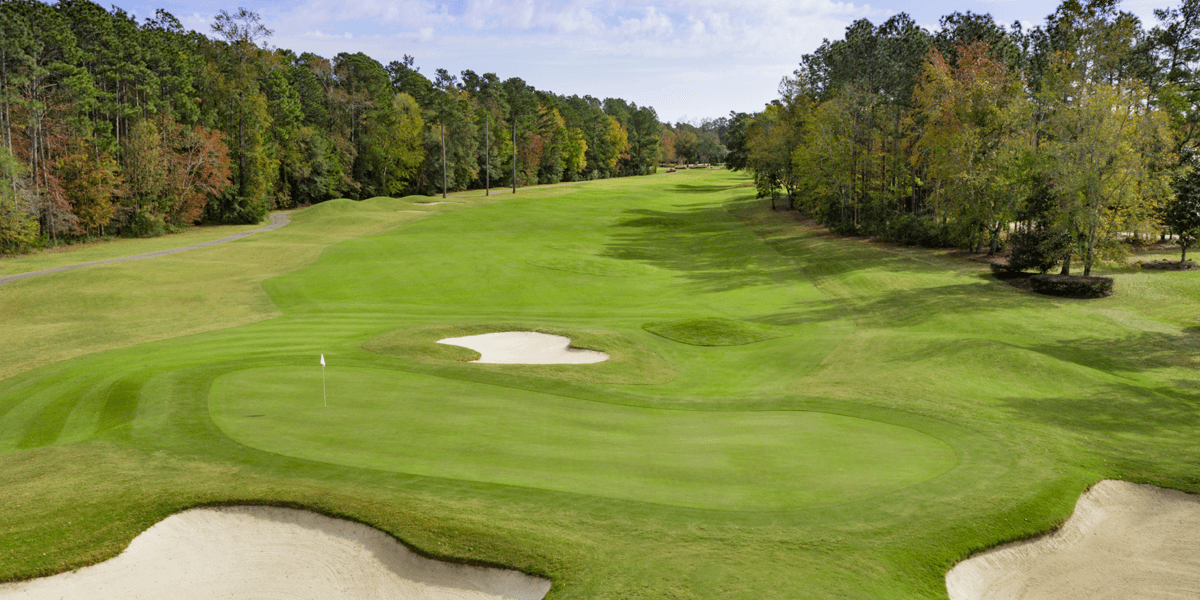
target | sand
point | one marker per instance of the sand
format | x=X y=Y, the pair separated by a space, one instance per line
x=264 y=552
x=525 y=348
x=1124 y=540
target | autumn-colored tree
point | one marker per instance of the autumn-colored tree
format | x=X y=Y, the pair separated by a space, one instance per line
x=197 y=171
x=618 y=142
x=91 y=184
x=574 y=154
x=974 y=137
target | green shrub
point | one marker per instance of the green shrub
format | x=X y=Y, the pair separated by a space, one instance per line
x=145 y=224
x=1072 y=286
x=1036 y=250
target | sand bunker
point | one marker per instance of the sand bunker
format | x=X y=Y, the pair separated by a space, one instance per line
x=1124 y=541
x=264 y=552
x=526 y=348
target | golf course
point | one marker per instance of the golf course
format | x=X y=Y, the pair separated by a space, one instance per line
x=784 y=413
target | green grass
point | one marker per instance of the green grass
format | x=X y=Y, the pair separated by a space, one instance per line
x=745 y=460
x=629 y=362
x=91 y=251
x=905 y=410
x=715 y=332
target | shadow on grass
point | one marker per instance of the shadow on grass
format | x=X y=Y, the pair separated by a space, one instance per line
x=696 y=188
x=1133 y=423
x=719 y=252
x=723 y=250
x=703 y=244
x=1142 y=352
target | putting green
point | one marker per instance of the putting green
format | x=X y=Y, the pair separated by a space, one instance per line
x=425 y=425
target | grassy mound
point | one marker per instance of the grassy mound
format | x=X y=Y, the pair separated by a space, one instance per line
x=715 y=332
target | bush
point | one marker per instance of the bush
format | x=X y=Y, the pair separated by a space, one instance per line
x=1169 y=265
x=908 y=230
x=1072 y=286
x=146 y=224
x=1036 y=250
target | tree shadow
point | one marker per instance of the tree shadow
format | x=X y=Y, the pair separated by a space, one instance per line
x=701 y=243
x=706 y=188
x=722 y=253
x=906 y=307
x=1165 y=413
x=1145 y=351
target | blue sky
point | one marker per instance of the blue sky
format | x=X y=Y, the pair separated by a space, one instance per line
x=688 y=59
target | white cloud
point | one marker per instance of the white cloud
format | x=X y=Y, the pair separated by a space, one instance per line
x=321 y=35
x=699 y=57
x=652 y=23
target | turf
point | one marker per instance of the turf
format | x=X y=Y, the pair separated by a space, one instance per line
x=916 y=410
x=714 y=332
x=744 y=460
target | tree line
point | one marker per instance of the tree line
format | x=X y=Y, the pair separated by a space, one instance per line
x=1064 y=141
x=114 y=126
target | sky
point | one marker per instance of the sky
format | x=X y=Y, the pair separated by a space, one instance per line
x=689 y=59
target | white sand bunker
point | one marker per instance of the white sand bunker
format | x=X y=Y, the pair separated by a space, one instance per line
x=1124 y=541
x=526 y=348
x=263 y=552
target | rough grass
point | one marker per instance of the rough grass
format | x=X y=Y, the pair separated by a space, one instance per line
x=718 y=475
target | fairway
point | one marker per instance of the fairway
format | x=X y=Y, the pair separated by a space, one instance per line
x=784 y=413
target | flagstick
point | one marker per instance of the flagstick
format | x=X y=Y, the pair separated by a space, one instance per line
x=323 y=396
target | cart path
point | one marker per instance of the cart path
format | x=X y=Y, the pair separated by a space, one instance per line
x=277 y=220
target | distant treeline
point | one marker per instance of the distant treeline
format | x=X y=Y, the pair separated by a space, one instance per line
x=1064 y=140
x=114 y=126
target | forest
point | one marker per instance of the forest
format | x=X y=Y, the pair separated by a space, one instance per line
x=1065 y=143
x=113 y=126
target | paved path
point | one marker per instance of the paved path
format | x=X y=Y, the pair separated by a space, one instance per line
x=277 y=220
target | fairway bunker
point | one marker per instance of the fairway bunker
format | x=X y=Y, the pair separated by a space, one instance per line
x=1124 y=540
x=259 y=552
x=525 y=348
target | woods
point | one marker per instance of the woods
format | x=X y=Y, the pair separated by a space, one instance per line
x=114 y=126
x=1061 y=142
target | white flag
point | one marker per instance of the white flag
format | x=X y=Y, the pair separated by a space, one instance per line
x=322 y=360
